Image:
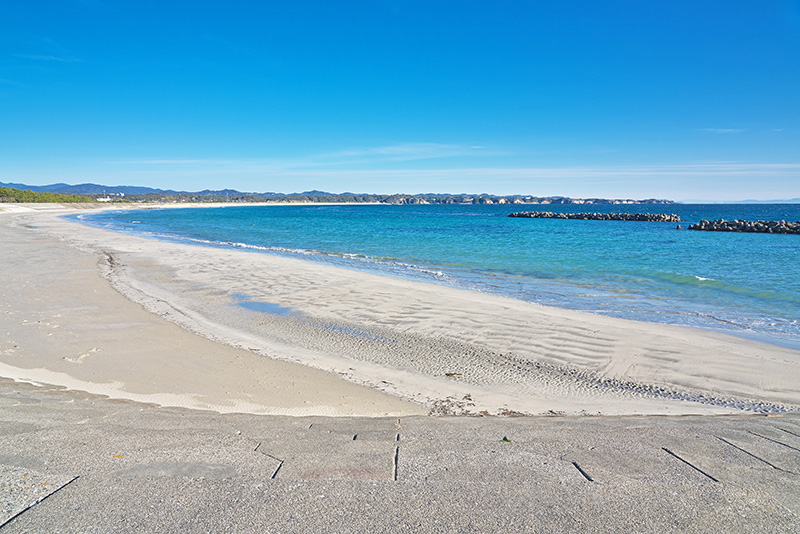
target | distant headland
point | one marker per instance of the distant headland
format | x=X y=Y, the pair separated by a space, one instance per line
x=13 y=192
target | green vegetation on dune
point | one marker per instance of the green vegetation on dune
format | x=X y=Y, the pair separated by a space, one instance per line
x=17 y=195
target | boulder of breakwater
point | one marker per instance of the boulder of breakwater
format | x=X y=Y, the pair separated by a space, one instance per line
x=648 y=217
x=759 y=227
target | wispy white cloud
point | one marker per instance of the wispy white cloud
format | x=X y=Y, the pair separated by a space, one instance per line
x=399 y=152
x=352 y=158
x=724 y=130
x=178 y=162
x=289 y=168
x=604 y=174
x=714 y=180
x=38 y=57
x=413 y=167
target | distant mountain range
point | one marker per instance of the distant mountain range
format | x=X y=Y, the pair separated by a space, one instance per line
x=138 y=193
x=97 y=189
x=747 y=201
x=784 y=201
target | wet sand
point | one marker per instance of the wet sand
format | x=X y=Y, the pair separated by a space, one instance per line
x=330 y=341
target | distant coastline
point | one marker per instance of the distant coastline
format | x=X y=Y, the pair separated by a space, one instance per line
x=103 y=193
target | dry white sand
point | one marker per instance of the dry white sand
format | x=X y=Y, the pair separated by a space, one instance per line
x=447 y=349
x=62 y=323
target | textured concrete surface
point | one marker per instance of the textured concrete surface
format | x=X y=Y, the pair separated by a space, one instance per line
x=71 y=462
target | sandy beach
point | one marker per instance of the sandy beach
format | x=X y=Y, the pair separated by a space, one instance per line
x=179 y=325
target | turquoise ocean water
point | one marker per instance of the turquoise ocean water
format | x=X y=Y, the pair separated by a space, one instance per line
x=746 y=284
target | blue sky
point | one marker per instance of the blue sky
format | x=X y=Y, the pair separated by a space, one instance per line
x=694 y=100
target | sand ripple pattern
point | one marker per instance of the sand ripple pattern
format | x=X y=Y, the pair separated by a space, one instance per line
x=469 y=350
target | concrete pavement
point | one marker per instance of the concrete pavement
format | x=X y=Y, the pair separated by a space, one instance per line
x=73 y=462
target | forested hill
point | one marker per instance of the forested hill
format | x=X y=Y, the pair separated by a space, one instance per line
x=8 y=194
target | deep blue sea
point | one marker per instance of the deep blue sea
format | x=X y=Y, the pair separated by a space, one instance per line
x=746 y=284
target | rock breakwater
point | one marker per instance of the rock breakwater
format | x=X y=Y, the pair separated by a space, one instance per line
x=761 y=227
x=648 y=217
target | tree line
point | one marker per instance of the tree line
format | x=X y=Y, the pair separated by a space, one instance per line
x=17 y=195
